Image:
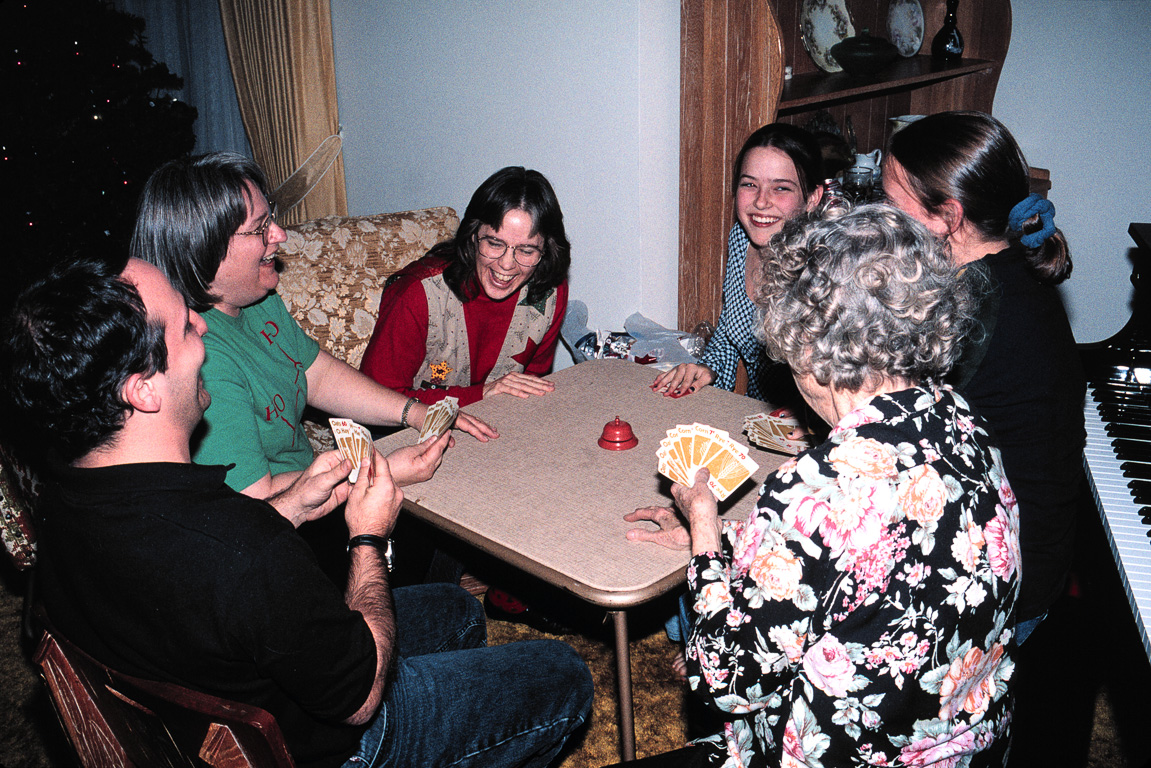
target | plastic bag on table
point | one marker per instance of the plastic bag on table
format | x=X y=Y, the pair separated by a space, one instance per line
x=665 y=346
x=642 y=340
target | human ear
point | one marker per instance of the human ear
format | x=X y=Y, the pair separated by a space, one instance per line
x=141 y=393
x=951 y=215
x=814 y=198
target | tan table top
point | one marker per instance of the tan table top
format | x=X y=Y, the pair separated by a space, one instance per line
x=547 y=499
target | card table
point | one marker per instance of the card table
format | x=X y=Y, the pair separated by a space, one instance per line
x=545 y=498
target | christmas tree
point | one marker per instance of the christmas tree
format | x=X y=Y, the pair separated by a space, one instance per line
x=90 y=115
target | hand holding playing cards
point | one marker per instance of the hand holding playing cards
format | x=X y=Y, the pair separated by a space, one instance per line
x=445 y=414
x=699 y=506
x=777 y=431
x=374 y=501
x=316 y=491
x=682 y=380
x=671 y=532
x=518 y=384
x=417 y=463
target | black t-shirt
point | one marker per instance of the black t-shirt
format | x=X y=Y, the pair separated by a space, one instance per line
x=1030 y=387
x=163 y=572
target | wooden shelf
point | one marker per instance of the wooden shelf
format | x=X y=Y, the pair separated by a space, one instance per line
x=820 y=89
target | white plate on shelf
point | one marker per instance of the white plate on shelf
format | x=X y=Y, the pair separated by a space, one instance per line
x=905 y=26
x=822 y=24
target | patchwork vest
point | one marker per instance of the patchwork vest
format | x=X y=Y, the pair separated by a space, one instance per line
x=447 y=362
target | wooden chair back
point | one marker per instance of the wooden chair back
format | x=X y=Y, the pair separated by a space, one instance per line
x=114 y=720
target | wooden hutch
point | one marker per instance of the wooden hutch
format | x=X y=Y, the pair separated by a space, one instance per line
x=732 y=57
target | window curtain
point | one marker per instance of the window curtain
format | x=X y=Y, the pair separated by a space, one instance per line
x=283 y=65
x=186 y=35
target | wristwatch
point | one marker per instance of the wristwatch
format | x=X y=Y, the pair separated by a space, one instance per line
x=384 y=545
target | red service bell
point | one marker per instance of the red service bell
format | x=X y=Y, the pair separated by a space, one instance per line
x=617 y=436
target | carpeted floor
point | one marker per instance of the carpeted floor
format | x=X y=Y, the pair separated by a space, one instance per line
x=1092 y=656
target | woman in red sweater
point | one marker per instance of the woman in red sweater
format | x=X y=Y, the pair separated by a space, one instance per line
x=480 y=314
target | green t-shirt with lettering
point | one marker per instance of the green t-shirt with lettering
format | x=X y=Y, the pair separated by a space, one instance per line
x=255 y=372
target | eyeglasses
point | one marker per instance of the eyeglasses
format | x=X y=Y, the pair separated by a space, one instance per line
x=525 y=255
x=266 y=227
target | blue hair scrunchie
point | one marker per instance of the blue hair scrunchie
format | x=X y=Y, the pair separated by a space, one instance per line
x=1033 y=205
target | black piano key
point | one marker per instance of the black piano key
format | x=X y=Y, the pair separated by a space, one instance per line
x=1114 y=416
x=1123 y=397
x=1136 y=464
x=1136 y=474
x=1122 y=383
x=1123 y=400
x=1129 y=431
x=1122 y=412
x=1131 y=449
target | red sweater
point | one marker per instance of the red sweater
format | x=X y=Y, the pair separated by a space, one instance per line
x=399 y=342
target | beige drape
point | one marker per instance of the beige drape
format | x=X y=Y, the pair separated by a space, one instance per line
x=284 y=68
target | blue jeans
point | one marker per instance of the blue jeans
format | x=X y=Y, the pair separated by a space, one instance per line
x=452 y=701
x=678 y=627
x=1024 y=629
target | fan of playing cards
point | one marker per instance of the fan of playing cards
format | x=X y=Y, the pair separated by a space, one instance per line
x=689 y=447
x=771 y=430
x=354 y=442
x=439 y=419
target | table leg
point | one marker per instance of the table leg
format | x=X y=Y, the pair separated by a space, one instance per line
x=623 y=677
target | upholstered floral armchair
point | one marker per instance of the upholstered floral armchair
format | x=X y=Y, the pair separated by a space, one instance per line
x=334 y=273
x=18 y=491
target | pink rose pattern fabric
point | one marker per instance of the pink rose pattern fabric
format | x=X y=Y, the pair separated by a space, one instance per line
x=864 y=613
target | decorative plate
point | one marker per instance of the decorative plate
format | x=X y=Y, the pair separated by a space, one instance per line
x=823 y=23
x=905 y=26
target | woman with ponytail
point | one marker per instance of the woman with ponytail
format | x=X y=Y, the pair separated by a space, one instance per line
x=963 y=176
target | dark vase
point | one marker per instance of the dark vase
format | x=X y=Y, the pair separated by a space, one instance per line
x=948 y=43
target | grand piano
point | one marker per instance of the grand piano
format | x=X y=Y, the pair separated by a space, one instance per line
x=1118 y=452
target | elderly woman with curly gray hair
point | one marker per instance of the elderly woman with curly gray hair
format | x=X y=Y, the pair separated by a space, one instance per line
x=864 y=612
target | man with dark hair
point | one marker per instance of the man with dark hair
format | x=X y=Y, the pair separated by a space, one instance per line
x=154 y=566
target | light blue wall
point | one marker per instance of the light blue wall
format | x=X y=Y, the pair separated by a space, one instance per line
x=1076 y=92
x=435 y=96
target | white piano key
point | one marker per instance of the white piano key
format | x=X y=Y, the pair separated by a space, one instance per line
x=1126 y=532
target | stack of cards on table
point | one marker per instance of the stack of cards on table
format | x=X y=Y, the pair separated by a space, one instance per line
x=771 y=430
x=440 y=418
x=689 y=447
x=354 y=441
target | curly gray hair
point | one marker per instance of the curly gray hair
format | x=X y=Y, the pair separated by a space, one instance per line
x=854 y=297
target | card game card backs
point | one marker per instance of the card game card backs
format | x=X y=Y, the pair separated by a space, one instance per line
x=354 y=442
x=439 y=418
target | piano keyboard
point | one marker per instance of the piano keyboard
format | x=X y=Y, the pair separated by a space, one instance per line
x=1122 y=514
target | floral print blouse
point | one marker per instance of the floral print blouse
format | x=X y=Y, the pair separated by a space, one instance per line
x=864 y=613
